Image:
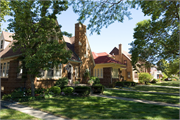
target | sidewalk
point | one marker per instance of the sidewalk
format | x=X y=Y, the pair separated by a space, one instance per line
x=141 y=101
x=158 y=86
x=30 y=111
x=144 y=91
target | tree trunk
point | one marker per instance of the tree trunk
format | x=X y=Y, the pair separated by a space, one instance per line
x=32 y=85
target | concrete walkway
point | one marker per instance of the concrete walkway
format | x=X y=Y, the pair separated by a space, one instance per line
x=143 y=91
x=31 y=111
x=158 y=86
x=141 y=101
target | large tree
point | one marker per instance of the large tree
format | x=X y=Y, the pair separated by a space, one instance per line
x=34 y=22
x=101 y=13
x=157 y=38
x=5 y=10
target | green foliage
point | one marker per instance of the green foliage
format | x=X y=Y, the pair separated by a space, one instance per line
x=76 y=82
x=100 y=13
x=34 y=24
x=98 y=88
x=125 y=84
x=157 y=38
x=154 y=81
x=82 y=90
x=62 y=82
x=86 y=74
x=164 y=76
x=95 y=79
x=6 y=97
x=39 y=91
x=5 y=10
x=145 y=78
x=55 y=89
x=91 y=81
x=68 y=90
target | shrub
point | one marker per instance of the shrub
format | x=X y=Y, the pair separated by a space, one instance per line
x=90 y=82
x=98 y=88
x=62 y=82
x=96 y=80
x=40 y=90
x=55 y=89
x=145 y=78
x=6 y=97
x=82 y=90
x=164 y=76
x=68 y=90
x=125 y=84
x=154 y=81
x=76 y=82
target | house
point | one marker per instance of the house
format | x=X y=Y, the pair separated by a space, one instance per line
x=107 y=69
x=157 y=74
x=80 y=60
x=124 y=57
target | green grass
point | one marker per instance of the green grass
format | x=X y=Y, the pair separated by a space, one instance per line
x=102 y=108
x=156 y=89
x=169 y=83
x=144 y=96
x=14 y=114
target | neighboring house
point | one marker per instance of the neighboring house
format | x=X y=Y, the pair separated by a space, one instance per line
x=124 y=57
x=107 y=69
x=80 y=60
x=157 y=74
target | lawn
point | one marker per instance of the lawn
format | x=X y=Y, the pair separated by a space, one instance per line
x=102 y=108
x=14 y=114
x=144 y=96
x=156 y=89
x=169 y=83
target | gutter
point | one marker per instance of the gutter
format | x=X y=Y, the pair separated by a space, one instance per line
x=11 y=56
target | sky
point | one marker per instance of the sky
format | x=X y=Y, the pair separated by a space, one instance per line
x=110 y=37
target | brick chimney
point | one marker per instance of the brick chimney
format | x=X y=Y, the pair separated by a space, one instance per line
x=120 y=53
x=80 y=40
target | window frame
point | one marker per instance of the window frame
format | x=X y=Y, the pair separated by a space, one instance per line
x=2 y=44
x=115 y=73
x=128 y=74
x=5 y=69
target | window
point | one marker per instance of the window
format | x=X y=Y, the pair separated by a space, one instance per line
x=76 y=71
x=115 y=73
x=129 y=75
x=4 y=69
x=20 y=71
x=52 y=72
x=125 y=62
x=101 y=73
x=95 y=72
x=1 y=44
x=135 y=75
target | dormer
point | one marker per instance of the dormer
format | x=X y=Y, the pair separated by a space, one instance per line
x=5 y=39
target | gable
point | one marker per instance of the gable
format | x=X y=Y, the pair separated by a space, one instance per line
x=115 y=51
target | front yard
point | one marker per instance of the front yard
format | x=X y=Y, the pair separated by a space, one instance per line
x=169 y=83
x=102 y=108
x=14 y=114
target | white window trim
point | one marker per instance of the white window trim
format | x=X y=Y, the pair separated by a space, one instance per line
x=5 y=75
x=51 y=77
x=19 y=75
x=115 y=73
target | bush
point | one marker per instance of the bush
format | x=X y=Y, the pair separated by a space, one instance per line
x=95 y=79
x=68 y=90
x=98 y=88
x=62 y=82
x=164 y=76
x=145 y=78
x=6 y=97
x=125 y=84
x=82 y=90
x=55 y=89
x=154 y=81
x=39 y=90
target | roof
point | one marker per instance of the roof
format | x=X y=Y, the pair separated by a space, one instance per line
x=115 y=51
x=104 y=58
x=70 y=46
x=8 y=51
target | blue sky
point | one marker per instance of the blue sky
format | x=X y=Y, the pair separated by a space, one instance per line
x=117 y=33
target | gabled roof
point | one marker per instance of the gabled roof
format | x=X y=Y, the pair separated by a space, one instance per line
x=116 y=52
x=7 y=36
x=104 y=58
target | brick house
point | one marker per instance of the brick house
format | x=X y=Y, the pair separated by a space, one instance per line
x=107 y=69
x=80 y=60
x=129 y=73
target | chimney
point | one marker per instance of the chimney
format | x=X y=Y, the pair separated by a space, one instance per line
x=80 y=40
x=120 y=53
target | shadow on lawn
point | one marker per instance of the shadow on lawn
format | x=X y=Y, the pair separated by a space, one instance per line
x=103 y=108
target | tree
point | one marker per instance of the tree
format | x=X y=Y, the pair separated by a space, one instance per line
x=171 y=68
x=5 y=10
x=34 y=24
x=157 y=38
x=101 y=12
